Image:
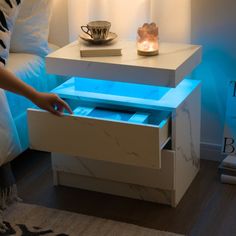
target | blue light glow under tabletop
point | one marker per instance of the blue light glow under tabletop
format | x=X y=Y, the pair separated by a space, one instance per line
x=126 y=94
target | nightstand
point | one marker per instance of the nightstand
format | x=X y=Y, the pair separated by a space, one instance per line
x=135 y=130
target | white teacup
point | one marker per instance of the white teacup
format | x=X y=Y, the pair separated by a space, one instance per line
x=98 y=30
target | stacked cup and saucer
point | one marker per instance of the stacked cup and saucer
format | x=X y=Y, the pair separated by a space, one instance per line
x=97 y=32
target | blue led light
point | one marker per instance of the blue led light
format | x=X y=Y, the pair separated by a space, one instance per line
x=126 y=94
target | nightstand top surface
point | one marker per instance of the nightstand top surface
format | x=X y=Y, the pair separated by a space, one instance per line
x=167 y=69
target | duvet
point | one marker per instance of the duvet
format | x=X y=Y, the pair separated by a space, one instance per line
x=9 y=149
x=9 y=140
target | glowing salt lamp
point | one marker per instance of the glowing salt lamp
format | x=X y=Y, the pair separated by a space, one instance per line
x=147 y=41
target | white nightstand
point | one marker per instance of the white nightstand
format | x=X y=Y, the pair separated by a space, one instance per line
x=136 y=127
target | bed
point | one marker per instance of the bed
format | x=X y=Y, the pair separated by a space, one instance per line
x=30 y=69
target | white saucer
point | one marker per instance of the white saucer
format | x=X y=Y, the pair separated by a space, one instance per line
x=109 y=38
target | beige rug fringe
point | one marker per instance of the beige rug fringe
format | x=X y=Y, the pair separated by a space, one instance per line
x=72 y=224
x=8 y=196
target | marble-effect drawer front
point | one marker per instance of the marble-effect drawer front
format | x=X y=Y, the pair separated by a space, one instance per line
x=162 y=178
x=88 y=136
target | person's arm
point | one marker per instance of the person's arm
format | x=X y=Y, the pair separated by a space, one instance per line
x=46 y=101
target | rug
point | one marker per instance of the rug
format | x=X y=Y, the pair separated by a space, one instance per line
x=30 y=220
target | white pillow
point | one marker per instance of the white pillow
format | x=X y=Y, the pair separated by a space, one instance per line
x=9 y=10
x=31 y=30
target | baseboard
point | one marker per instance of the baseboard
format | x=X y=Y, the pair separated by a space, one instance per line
x=212 y=152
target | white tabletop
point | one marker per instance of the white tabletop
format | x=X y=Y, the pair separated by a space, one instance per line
x=166 y=69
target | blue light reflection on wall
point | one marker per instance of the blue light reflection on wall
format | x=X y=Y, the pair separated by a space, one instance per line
x=217 y=69
x=213 y=27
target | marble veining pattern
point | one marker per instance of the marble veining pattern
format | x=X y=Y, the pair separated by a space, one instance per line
x=91 y=173
x=119 y=146
x=192 y=156
x=117 y=172
x=143 y=192
x=115 y=142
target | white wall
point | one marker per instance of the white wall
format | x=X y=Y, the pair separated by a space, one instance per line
x=59 y=28
x=214 y=27
x=173 y=18
x=125 y=15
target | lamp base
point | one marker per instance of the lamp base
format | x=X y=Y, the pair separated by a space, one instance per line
x=148 y=53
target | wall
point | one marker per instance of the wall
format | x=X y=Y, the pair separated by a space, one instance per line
x=125 y=15
x=59 y=28
x=173 y=18
x=213 y=26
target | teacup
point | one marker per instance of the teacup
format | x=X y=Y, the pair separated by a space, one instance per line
x=97 y=30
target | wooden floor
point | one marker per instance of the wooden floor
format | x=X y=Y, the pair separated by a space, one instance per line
x=208 y=208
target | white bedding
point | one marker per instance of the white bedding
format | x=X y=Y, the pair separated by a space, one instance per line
x=9 y=140
x=13 y=125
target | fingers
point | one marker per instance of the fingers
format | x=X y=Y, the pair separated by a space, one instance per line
x=63 y=105
x=66 y=106
x=53 y=103
x=53 y=111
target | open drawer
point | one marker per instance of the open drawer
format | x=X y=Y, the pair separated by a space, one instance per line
x=131 y=138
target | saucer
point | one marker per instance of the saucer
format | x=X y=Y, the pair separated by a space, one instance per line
x=109 y=38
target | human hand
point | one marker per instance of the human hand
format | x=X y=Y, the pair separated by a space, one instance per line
x=51 y=102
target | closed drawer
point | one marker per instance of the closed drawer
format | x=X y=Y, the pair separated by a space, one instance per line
x=162 y=178
x=115 y=136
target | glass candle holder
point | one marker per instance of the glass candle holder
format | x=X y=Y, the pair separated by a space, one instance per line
x=147 y=40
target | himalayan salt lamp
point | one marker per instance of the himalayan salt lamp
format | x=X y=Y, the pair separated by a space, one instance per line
x=147 y=40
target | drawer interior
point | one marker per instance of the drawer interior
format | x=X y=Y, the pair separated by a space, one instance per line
x=119 y=114
x=98 y=112
x=123 y=116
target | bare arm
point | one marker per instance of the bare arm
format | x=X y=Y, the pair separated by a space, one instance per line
x=10 y=82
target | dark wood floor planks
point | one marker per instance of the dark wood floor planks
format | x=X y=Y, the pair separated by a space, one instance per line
x=208 y=208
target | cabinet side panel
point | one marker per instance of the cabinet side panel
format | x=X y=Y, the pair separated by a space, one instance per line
x=186 y=135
